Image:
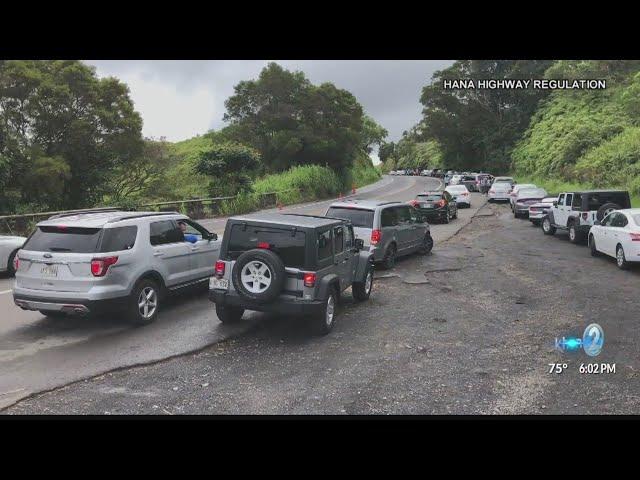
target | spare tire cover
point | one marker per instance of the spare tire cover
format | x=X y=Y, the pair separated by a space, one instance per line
x=259 y=275
x=605 y=209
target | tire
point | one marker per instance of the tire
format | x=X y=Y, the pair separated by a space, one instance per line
x=323 y=323
x=547 y=228
x=52 y=313
x=227 y=314
x=10 y=270
x=621 y=259
x=592 y=247
x=605 y=209
x=362 y=290
x=259 y=275
x=447 y=217
x=390 y=255
x=456 y=215
x=144 y=302
x=515 y=214
x=427 y=245
x=574 y=235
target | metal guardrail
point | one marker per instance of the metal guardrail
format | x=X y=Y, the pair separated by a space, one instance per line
x=196 y=208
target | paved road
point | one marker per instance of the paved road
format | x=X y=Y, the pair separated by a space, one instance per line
x=38 y=353
x=466 y=330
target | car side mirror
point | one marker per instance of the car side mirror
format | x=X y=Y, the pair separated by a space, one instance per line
x=212 y=236
x=359 y=243
x=597 y=222
x=555 y=203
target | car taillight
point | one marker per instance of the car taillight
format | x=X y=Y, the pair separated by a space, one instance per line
x=264 y=245
x=16 y=263
x=465 y=194
x=585 y=215
x=635 y=237
x=414 y=203
x=492 y=191
x=220 y=267
x=441 y=203
x=100 y=266
x=309 y=279
x=376 y=235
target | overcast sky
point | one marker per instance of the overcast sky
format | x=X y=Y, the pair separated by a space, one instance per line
x=183 y=98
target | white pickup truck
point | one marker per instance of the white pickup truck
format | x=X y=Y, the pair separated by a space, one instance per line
x=577 y=212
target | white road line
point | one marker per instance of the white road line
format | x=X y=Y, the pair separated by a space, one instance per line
x=5 y=291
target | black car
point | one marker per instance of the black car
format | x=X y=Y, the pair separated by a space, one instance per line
x=438 y=205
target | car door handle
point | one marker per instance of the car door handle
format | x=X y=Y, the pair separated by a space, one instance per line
x=158 y=254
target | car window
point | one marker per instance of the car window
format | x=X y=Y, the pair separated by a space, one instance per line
x=338 y=240
x=561 y=200
x=165 y=231
x=619 y=220
x=348 y=237
x=432 y=197
x=608 y=219
x=289 y=247
x=64 y=239
x=324 y=245
x=388 y=217
x=194 y=228
x=404 y=215
x=568 y=200
x=447 y=196
x=118 y=238
x=357 y=216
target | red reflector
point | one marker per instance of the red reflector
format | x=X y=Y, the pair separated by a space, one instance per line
x=220 y=268
x=264 y=245
x=414 y=203
x=635 y=237
x=62 y=227
x=376 y=235
x=441 y=203
x=309 y=279
x=16 y=263
x=100 y=266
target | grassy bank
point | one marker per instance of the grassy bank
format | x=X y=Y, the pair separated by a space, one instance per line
x=556 y=186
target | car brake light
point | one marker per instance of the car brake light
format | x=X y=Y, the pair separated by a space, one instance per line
x=264 y=245
x=220 y=267
x=414 y=203
x=309 y=279
x=441 y=203
x=375 y=236
x=16 y=263
x=100 y=266
x=635 y=237
x=585 y=215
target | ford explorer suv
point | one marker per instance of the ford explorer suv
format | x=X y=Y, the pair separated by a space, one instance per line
x=577 y=212
x=289 y=264
x=112 y=261
x=388 y=229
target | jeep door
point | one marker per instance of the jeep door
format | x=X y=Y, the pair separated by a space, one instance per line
x=170 y=251
x=559 y=213
x=343 y=255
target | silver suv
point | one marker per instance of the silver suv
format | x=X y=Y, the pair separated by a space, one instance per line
x=388 y=229
x=112 y=261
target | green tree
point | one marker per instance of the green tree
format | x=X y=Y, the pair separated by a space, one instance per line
x=62 y=132
x=229 y=164
x=373 y=135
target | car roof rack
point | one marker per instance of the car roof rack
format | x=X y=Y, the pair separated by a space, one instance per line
x=70 y=213
x=141 y=215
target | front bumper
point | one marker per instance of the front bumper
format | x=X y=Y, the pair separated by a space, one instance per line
x=284 y=304
x=72 y=306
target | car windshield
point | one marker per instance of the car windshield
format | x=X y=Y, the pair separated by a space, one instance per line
x=429 y=197
x=289 y=246
x=457 y=189
x=357 y=216
x=503 y=180
x=531 y=193
x=526 y=186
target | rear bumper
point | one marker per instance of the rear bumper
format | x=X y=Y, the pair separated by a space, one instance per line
x=283 y=305
x=71 y=306
x=430 y=215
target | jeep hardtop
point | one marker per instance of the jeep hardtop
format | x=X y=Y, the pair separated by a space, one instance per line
x=577 y=212
x=289 y=264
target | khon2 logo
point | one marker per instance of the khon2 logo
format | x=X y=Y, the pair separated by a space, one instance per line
x=591 y=342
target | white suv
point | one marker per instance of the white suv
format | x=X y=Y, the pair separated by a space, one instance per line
x=112 y=261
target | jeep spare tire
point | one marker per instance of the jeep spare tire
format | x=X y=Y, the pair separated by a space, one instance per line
x=605 y=209
x=259 y=275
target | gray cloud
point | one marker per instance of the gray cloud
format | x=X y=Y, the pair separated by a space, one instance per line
x=389 y=90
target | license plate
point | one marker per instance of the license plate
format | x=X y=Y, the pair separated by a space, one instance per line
x=219 y=283
x=49 y=270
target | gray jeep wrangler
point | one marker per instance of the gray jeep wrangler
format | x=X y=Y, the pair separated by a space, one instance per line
x=289 y=264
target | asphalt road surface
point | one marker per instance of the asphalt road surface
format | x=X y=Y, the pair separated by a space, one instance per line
x=469 y=329
x=38 y=353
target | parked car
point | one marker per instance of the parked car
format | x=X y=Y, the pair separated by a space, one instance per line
x=112 y=261
x=436 y=206
x=289 y=264
x=455 y=179
x=618 y=236
x=447 y=178
x=540 y=209
x=525 y=198
x=508 y=180
x=577 y=212
x=9 y=246
x=388 y=229
x=469 y=181
x=514 y=192
x=460 y=194
x=499 y=191
x=425 y=173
